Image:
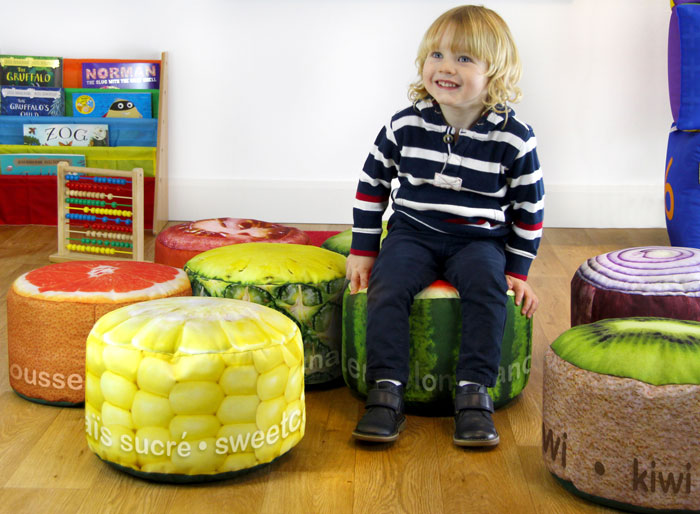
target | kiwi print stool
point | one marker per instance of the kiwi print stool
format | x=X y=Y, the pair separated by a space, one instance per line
x=621 y=413
x=435 y=335
x=659 y=281
x=193 y=389
x=51 y=310
x=302 y=281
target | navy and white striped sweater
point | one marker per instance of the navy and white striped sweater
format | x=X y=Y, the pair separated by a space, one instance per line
x=501 y=192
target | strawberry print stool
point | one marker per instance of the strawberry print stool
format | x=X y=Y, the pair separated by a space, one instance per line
x=51 y=310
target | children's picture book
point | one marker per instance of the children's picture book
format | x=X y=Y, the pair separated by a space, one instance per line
x=109 y=104
x=36 y=164
x=31 y=101
x=121 y=75
x=26 y=70
x=66 y=134
x=72 y=94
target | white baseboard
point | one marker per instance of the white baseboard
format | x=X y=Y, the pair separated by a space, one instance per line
x=286 y=201
x=604 y=206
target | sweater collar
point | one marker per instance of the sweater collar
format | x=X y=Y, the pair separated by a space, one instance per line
x=430 y=112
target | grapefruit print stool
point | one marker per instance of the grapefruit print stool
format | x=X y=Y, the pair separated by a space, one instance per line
x=178 y=244
x=304 y=282
x=435 y=334
x=620 y=413
x=51 y=310
x=661 y=281
x=193 y=389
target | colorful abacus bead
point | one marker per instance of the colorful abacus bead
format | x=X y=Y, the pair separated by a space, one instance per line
x=91 y=249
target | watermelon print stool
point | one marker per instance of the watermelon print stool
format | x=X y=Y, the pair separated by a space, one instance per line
x=435 y=330
x=178 y=244
x=620 y=413
x=662 y=281
x=51 y=310
x=193 y=389
x=303 y=282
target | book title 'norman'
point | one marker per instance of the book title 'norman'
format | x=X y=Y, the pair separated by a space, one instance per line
x=122 y=72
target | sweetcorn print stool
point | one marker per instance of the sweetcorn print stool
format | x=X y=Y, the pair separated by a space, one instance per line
x=51 y=310
x=620 y=413
x=193 y=389
x=648 y=281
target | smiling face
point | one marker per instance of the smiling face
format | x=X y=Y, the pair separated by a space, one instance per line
x=457 y=81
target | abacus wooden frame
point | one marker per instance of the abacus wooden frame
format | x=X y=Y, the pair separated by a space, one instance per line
x=136 y=177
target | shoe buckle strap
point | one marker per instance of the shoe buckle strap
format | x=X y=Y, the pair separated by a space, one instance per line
x=474 y=401
x=384 y=398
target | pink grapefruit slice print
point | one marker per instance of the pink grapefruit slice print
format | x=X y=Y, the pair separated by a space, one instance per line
x=51 y=310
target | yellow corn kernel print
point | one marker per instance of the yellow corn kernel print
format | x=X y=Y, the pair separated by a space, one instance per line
x=220 y=389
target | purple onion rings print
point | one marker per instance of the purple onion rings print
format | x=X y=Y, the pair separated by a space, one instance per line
x=648 y=281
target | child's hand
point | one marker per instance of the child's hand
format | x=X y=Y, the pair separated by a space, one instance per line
x=357 y=270
x=523 y=294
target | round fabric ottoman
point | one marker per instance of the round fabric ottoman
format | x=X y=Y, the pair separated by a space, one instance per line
x=342 y=241
x=51 y=310
x=620 y=413
x=178 y=244
x=303 y=282
x=435 y=331
x=193 y=389
x=648 y=281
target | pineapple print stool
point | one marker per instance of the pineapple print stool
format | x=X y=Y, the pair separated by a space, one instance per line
x=648 y=281
x=435 y=331
x=302 y=281
x=193 y=389
x=620 y=413
x=51 y=310
x=178 y=244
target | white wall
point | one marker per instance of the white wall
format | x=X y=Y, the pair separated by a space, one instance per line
x=274 y=104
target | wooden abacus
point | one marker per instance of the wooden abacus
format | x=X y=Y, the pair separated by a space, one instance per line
x=100 y=214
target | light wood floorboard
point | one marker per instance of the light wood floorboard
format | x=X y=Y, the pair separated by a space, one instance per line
x=45 y=465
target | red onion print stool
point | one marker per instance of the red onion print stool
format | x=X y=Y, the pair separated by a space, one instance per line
x=648 y=281
x=51 y=310
x=178 y=244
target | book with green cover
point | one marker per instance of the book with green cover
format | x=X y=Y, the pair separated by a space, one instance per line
x=78 y=99
x=26 y=70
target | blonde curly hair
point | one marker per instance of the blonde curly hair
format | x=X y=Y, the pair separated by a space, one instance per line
x=480 y=33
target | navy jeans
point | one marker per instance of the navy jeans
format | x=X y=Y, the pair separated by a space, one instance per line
x=408 y=262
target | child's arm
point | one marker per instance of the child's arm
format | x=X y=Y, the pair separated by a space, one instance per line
x=526 y=195
x=525 y=294
x=357 y=271
x=371 y=200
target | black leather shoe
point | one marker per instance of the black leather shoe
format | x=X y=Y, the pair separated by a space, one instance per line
x=473 y=423
x=383 y=419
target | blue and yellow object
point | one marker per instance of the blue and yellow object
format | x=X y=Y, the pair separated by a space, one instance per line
x=682 y=188
x=108 y=103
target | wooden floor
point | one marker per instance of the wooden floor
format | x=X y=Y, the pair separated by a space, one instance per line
x=46 y=467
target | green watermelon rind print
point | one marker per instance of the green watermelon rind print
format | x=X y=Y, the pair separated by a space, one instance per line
x=434 y=352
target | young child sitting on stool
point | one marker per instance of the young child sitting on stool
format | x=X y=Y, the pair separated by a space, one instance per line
x=468 y=207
